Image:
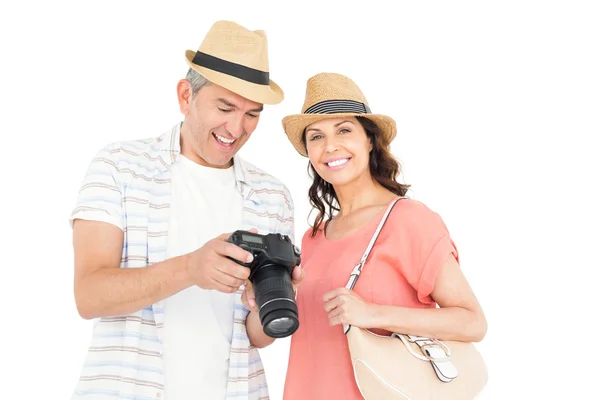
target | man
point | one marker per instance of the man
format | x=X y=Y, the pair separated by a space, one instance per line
x=149 y=237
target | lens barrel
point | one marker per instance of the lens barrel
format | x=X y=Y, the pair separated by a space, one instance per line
x=275 y=299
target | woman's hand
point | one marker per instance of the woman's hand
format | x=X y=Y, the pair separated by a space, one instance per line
x=344 y=306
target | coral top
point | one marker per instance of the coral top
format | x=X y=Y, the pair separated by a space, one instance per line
x=401 y=271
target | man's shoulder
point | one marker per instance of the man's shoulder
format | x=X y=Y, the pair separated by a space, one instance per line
x=265 y=184
x=150 y=153
x=136 y=160
x=258 y=177
x=131 y=148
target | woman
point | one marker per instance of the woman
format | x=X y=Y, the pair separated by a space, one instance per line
x=413 y=266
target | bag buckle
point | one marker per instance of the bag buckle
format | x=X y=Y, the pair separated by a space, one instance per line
x=437 y=353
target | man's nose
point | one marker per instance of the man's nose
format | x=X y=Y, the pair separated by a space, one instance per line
x=236 y=127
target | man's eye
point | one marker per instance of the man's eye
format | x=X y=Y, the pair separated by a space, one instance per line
x=224 y=110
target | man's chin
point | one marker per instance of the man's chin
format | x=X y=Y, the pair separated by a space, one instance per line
x=220 y=162
x=212 y=162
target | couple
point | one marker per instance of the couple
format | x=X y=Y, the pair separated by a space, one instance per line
x=176 y=319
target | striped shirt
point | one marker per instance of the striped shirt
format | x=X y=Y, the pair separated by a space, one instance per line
x=128 y=184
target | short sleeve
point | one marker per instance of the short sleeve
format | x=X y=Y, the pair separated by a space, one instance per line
x=100 y=195
x=430 y=269
x=422 y=244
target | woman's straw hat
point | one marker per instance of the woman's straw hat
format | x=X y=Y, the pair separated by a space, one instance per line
x=237 y=59
x=330 y=95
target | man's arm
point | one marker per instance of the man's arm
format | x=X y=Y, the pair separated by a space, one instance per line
x=256 y=335
x=102 y=288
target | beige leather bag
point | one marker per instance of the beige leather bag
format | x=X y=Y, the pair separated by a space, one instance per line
x=408 y=367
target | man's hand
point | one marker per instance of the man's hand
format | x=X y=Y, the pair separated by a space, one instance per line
x=210 y=268
x=249 y=299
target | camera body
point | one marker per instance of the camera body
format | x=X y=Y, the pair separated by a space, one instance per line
x=272 y=248
x=275 y=257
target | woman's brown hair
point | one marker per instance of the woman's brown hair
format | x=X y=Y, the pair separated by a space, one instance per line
x=384 y=170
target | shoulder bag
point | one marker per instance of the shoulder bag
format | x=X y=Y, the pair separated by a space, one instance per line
x=406 y=367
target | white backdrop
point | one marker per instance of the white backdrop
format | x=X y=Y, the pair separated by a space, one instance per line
x=497 y=108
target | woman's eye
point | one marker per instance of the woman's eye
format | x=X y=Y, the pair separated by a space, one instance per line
x=315 y=137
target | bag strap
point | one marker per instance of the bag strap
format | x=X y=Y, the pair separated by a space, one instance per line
x=358 y=267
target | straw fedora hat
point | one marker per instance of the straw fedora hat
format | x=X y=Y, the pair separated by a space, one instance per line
x=237 y=59
x=330 y=95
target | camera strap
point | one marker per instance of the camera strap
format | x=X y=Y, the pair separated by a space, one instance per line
x=358 y=267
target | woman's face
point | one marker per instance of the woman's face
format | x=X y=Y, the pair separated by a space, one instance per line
x=338 y=149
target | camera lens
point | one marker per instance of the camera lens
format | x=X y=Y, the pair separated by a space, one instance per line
x=275 y=299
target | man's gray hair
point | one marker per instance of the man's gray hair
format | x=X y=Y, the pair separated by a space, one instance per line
x=196 y=80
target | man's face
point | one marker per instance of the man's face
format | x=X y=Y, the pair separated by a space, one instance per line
x=217 y=123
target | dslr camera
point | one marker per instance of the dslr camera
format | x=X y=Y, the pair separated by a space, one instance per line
x=275 y=257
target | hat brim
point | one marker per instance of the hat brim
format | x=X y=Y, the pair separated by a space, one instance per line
x=294 y=126
x=271 y=94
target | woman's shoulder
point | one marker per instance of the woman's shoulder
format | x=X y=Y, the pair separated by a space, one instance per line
x=309 y=237
x=412 y=214
x=411 y=207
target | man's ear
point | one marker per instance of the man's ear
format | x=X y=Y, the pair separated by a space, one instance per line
x=184 y=96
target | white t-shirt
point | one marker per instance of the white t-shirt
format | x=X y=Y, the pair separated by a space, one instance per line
x=198 y=323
